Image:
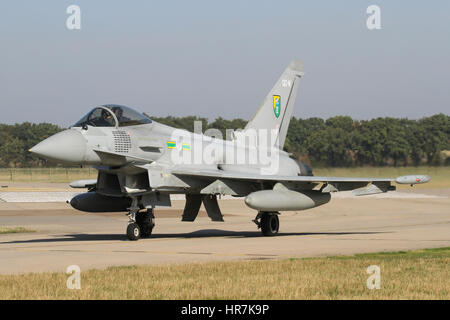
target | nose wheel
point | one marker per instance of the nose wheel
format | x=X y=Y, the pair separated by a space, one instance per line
x=141 y=225
x=133 y=231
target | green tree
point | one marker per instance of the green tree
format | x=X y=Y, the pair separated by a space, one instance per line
x=12 y=153
x=436 y=137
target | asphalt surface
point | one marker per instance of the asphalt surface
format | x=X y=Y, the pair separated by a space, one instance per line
x=346 y=225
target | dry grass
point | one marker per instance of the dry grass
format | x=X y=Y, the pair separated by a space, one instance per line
x=440 y=176
x=422 y=274
x=5 y=230
x=46 y=174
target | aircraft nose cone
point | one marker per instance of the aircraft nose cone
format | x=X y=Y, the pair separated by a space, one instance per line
x=66 y=146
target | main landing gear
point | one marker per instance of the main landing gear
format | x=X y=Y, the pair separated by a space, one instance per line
x=141 y=224
x=268 y=222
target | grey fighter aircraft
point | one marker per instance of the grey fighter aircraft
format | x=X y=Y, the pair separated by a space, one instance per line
x=141 y=163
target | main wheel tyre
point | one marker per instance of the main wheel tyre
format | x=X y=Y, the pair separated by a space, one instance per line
x=269 y=224
x=146 y=223
x=133 y=231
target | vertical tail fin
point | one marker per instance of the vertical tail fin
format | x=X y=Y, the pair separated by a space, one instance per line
x=276 y=110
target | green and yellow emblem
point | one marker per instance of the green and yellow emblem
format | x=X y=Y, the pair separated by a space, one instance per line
x=277 y=105
x=171 y=144
x=174 y=145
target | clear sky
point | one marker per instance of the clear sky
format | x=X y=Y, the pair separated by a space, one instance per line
x=211 y=58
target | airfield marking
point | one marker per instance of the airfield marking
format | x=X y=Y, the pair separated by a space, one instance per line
x=31 y=189
x=231 y=254
x=18 y=194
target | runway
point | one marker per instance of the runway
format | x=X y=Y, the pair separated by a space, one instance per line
x=346 y=225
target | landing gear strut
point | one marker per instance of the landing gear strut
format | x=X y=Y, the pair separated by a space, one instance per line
x=141 y=224
x=268 y=222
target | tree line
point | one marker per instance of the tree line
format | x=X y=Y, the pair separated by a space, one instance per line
x=336 y=142
x=17 y=139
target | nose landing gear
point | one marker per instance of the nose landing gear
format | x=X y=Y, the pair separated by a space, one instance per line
x=133 y=231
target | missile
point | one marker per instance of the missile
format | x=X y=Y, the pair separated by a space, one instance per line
x=412 y=179
x=94 y=202
x=285 y=200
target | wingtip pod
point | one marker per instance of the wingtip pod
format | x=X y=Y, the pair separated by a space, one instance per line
x=297 y=67
x=413 y=179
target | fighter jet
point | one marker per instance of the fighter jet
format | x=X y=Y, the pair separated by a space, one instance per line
x=141 y=163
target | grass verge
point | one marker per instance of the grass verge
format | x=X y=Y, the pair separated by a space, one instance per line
x=420 y=274
x=5 y=230
x=440 y=176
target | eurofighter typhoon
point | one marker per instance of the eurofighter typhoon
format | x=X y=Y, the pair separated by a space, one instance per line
x=141 y=163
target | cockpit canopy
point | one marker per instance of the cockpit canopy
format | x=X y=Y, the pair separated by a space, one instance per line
x=112 y=115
